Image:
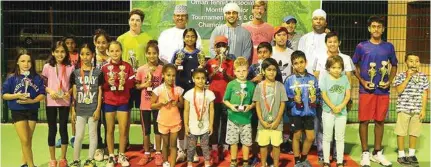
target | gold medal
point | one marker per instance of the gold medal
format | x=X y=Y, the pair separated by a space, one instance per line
x=87 y=100
x=200 y=125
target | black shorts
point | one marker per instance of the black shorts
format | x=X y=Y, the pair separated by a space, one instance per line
x=146 y=116
x=24 y=115
x=301 y=123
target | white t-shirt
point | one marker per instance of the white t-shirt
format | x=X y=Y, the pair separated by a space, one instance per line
x=283 y=60
x=320 y=63
x=193 y=118
x=312 y=45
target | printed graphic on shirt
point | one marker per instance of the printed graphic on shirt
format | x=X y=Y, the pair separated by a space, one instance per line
x=22 y=86
x=337 y=89
x=85 y=93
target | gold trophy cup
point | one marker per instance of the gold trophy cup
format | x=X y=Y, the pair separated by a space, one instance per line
x=180 y=55
x=242 y=95
x=372 y=74
x=201 y=59
x=111 y=75
x=384 y=72
x=149 y=78
x=122 y=77
x=26 y=83
x=311 y=89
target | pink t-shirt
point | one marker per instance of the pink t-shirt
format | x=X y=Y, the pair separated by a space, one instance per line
x=54 y=81
x=156 y=80
x=168 y=115
x=259 y=33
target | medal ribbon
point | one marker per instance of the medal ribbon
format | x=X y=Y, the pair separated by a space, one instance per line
x=63 y=73
x=173 y=93
x=267 y=106
x=86 y=90
x=201 y=112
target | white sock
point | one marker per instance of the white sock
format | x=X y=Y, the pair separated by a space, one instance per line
x=214 y=147
x=147 y=153
x=111 y=155
x=225 y=147
x=401 y=154
x=411 y=152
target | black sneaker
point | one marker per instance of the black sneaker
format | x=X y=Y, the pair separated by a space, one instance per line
x=403 y=161
x=24 y=165
x=413 y=160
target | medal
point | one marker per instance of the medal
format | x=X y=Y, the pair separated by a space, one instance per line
x=268 y=106
x=87 y=100
x=60 y=92
x=200 y=125
x=270 y=118
x=202 y=109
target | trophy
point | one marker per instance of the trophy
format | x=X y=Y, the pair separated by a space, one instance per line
x=180 y=55
x=242 y=95
x=384 y=72
x=111 y=75
x=133 y=61
x=221 y=57
x=311 y=89
x=297 y=89
x=372 y=74
x=26 y=82
x=149 y=78
x=201 y=59
x=122 y=77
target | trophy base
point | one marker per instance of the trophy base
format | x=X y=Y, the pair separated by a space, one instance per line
x=27 y=95
x=149 y=89
x=372 y=85
x=381 y=83
x=240 y=108
x=180 y=68
x=120 y=88
x=220 y=69
x=113 y=88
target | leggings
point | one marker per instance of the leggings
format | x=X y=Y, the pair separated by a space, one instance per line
x=101 y=143
x=192 y=141
x=51 y=115
x=80 y=132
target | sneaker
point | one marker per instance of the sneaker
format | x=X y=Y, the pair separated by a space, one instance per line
x=269 y=160
x=122 y=160
x=299 y=164
x=90 y=163
x=413 y=160
x=381 y=159
x=111 y=162
x=233 y=164
x=52 y=163
x=181 y=156
x=158 y=159
x=76 y=163
x=253 y=161
x=72 y=141
x=144 y=160
x=326 y=164
x=58 y=144
x=403 y=161
x=225 y=155
x=24 y=165
x=365 y=159
x=340 y=164
x=98 y=155
x=166 y=164
x=306 y=163
x=195 y=158
x=214 y=157
x=62 y=163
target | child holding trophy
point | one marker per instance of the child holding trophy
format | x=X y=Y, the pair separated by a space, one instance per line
x=57 y=73
x=302 y=91
x=270 y=97
x=255 y=72
x=23 y=90
x=220 y=71
x=371 y=59
x=148 y=77
x=238 y=100
x=118 y=81
x=335 y=88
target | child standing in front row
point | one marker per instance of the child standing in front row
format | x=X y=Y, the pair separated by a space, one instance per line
x=270 y=97
x=335 y=88
x=148 y=77
x=238 y=99
x=198 y=116
x=302 y=91
x=412 y=87
x=87 y=92
x=167 y=99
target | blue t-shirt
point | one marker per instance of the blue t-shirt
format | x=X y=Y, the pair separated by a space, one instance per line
x=190 y=63
x=335 y=90
x=367 y=52
x=304 y=83
x=254 y=70
x=15 y=84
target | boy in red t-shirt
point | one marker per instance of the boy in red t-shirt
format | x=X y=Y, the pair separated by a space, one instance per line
x=220 y=71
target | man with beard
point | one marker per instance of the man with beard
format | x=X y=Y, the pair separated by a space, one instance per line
x=313 y=45
x=289 y=22
x=239 y=38
x=260 y=30
x=171 y=40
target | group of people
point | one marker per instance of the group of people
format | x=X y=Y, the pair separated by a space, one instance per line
x=262 y=87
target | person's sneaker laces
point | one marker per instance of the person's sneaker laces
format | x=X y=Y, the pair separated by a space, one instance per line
x=381 y=159
x=111 y=162
x=122 y=160
x=76 y=163
x=181 y=156
x=90 y=163
x=403 y=161
x=365 y=159
x=158 y=159
x=98 y=155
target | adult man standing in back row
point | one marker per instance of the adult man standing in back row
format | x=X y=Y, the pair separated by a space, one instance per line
x=171 y=40
x=239 y=38
x=260 y=30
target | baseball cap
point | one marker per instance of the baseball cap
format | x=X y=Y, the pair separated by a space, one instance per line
x=220 y=38
x=287 y=18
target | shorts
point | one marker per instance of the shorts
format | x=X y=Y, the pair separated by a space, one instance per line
x=265 y=137
x=24 y=115
x=408 y=123
x=169 y=129
x=112 y=108
x=135 y=98
x=301 y=123
x=149 y=117
x=373 y=107
x=236 y=132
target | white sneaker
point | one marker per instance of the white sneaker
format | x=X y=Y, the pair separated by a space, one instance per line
x=98 y=155
x=381 y=159
x=181 y=156
x=111 y=162
x=365 y=159
x=166 y=164
x=122 y=160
